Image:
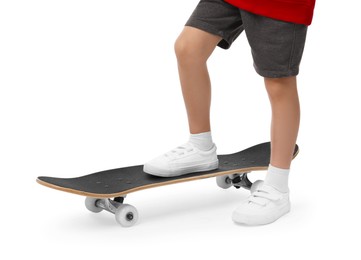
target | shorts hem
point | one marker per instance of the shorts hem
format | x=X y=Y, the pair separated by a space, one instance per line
x=223 y=43
x=276 y=74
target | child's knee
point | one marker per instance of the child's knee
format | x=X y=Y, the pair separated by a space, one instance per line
x=189 y=50
x=280 y=87
x=185 y=51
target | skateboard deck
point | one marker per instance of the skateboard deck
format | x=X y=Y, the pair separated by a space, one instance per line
x=99 y=187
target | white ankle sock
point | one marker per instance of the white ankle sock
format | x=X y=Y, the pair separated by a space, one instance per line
x=277 y=178
x=202 y=141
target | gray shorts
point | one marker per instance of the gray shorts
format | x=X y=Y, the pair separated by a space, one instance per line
x=277 y=46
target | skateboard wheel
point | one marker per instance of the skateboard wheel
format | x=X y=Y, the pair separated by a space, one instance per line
x=90 y=204
x=126 y=215
x=224 y=181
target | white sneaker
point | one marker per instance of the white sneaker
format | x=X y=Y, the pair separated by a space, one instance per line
x=265 y=205
x=182 y=160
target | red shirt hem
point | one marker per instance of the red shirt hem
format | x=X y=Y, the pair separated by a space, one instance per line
x=295 y=11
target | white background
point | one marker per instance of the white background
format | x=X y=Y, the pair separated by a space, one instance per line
x=93 y=85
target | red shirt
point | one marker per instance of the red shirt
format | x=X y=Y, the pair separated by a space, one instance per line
x=295 y=11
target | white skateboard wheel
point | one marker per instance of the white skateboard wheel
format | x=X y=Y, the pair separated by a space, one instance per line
x=90 y=204
x=126 y=215
x=224 y=181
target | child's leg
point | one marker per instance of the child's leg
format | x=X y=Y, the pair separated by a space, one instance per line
x=193 y=47
x=212 y=23
x=277 y=49
x=283 y=96
x=270 y=200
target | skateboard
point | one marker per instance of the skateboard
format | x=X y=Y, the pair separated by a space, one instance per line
x=106 y=190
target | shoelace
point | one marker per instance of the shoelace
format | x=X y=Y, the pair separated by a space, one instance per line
x=263 y=195
x=179 y=151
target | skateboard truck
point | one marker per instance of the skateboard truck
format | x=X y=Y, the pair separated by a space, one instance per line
x=237 y=180
x=126 y=215
x=242 y=181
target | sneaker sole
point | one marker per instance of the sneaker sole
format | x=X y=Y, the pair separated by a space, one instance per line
x=185 y=170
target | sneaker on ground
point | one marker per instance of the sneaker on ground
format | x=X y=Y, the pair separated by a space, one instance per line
x=265 y=205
